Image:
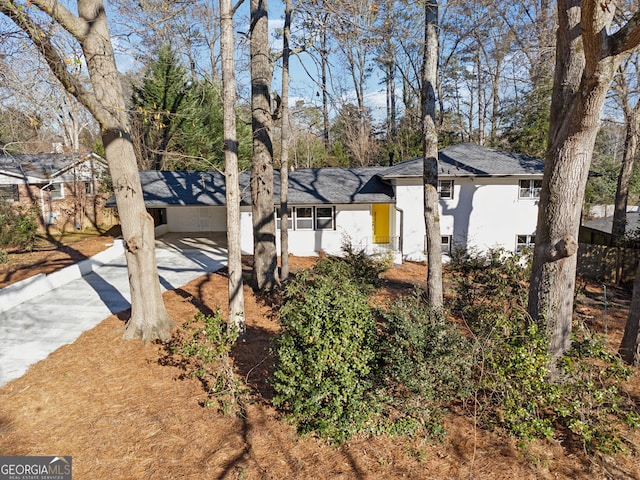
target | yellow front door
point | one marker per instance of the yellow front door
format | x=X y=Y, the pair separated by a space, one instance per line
x=380 y=221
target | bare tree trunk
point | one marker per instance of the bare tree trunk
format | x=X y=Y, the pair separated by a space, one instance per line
x=236 y=294
x=149 y=319
x=284 y=159
x=430 y=152
x=586 y=61
x=326 y=124
x=264 y=231
x=632 y=132
x=630 y=346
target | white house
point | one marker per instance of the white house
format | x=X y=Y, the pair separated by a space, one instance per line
x=488 y=198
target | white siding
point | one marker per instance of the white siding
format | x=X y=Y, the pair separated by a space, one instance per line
x=352 y=222
x=484 y=213
x=197 y=219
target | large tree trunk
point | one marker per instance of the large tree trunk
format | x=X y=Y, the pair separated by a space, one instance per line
x=236 y=294
x=586 y=61
x=284 y=159
x=264 y=231
x=149 y=319
x=630 y=346
x=430 y=152
x=632 y=132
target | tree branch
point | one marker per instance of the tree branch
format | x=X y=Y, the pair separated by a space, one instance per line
x=76 y=26
x=628 y=37
x=52 y=56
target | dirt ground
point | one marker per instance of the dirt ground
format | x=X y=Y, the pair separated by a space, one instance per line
x=121 y=414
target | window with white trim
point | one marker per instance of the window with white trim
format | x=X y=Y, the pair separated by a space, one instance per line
x=324 y=218
x=88 y=188
x=445 y=244
x=530 y=188
x=289 y=218
x=57 y=190
x=525 y=242
x=304 y=218
x=445 y=189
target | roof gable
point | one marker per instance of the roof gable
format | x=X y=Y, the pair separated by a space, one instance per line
x=467 y=159
x=42 y=166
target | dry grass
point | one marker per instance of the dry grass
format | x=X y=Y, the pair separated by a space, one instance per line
x=122 y=415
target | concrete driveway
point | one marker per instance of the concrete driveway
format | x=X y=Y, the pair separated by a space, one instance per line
x=33 y=329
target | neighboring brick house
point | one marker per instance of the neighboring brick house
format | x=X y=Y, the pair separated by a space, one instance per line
x=64 y=186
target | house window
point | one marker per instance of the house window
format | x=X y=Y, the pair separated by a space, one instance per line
x=445 y=189
x=289 y=218
x=530 y=188
x=304 y=218
x=324 y=218
x=87 y=188
x=445 y=243
x=525 y=242
x=9 y=193
x=57 y=190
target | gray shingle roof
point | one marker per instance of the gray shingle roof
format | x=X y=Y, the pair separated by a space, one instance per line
x=605 y=224
x=306 y=186
x=466 y=159
x=41 y=165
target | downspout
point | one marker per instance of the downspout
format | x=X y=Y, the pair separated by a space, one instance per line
x=44 y=219
x=400 y=237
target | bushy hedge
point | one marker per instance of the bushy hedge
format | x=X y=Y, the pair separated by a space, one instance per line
x=19 y=226
x=345 y=367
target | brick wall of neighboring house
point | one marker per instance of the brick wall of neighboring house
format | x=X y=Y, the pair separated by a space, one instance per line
x=68 y=205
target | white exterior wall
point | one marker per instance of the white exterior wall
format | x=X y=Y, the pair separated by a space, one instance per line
x=352 y=222
x=484 y=213
x=197 y=219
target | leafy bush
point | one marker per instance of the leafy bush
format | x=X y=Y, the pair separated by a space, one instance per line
x=19 y=226
x=425 y=363
x=201 y=348
x=4 y=257
x=514 y=389
x=356 y=265
x=325 y=354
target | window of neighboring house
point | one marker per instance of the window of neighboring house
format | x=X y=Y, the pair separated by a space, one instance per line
x=530 y=188
x=445 y=242
x=9 y=193
x=87 y=188
x=57 y=190
x=289 y=218
x=304 y=218
x=524 y=242
x=445 y=189
x=324 y=218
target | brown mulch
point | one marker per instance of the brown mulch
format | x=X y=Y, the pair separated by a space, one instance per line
x=121 y=414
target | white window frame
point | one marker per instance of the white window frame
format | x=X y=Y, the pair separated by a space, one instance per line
x=279 y=218
x=298 y=219
x=524 y=241
x=446 y=244
x=318 y=218
x=445 y=194
x=88 y=187
x=53 y=190
x=529 y=189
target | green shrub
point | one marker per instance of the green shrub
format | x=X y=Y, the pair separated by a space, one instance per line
x=356 y=266
x=514 y=389
x=324 y=355
x=19 y=226
x=424 y=364
x=201 y=347
x=4 y=257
